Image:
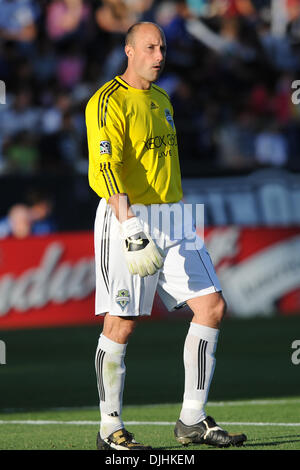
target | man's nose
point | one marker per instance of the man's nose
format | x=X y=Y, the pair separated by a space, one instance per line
x=159 y=55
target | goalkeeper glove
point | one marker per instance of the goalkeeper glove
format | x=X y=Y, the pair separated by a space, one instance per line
x=143 y=257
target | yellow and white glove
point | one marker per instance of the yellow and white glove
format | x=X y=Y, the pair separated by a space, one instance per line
x=142 y=255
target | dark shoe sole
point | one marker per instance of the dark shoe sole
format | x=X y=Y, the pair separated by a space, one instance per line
x=194 y=438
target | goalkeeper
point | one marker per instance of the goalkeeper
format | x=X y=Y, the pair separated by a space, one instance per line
x=134 y=168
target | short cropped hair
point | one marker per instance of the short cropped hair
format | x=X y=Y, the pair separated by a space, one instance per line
x=129 y=37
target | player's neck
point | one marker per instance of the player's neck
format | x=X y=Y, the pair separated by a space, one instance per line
x=135 y=82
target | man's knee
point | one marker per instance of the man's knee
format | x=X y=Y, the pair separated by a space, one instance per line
x=209 y=309
x=217 y=309
x=118 y=329
x=220 y=309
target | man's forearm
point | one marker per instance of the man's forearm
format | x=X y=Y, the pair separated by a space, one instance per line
x=120 y=205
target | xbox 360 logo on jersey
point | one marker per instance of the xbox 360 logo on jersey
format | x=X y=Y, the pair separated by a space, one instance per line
x=122 y=298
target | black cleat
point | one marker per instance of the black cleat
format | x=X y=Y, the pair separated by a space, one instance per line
x=120 y=440
x=207 y=432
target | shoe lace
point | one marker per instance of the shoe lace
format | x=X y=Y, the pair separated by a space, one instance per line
x=211 y=425
x=128 y=436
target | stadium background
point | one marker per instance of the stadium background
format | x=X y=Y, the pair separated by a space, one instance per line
x=230 y=71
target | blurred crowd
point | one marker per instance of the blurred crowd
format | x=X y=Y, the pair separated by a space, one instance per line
x=33 y=215
x=230 y=69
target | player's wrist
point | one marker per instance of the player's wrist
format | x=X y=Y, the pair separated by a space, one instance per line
x=131 y=227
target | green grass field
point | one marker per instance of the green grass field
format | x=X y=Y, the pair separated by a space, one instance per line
x=268 y=424
x=49 y=397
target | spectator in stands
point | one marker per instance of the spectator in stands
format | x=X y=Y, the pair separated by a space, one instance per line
x=271 y=146
x=66 y=20
x=17 y=224
x=21 y=154
x=116 y=16
x=70 y=67
x=232 y=8
x=18 y=22
x=51 y=51
x=20 y=115
x=40 y=205
x=236 y=141
x=32 y=217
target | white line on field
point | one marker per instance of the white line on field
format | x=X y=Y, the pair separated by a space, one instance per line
x=135 y=423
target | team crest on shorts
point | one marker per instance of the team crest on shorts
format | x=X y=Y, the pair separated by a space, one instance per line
x=122 y=298
x=105 y=147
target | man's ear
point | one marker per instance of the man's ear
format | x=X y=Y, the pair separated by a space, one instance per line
x=128 y=50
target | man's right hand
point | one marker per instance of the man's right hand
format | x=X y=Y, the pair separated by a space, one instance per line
x=142 y=255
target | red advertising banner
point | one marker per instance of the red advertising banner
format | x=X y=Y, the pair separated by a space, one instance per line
x=50 y=280
x=47 y=281
x=259 y=268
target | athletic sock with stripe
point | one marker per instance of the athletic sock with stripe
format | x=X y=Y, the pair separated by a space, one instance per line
x=199 y=365
x=110 y=372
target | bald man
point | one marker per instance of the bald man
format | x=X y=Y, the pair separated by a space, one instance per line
x=134 y=168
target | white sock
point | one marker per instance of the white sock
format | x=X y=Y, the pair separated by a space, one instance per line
x=199 y=365
x=110 y=372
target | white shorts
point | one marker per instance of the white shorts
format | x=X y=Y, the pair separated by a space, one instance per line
x=187 y=272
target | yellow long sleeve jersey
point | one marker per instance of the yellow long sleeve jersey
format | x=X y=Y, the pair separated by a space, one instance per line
x=132 y=144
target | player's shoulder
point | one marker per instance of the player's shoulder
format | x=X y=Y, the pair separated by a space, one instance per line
x=160 y=91
x=108 y=91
